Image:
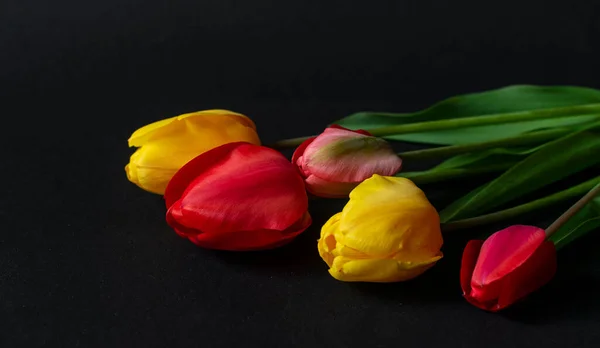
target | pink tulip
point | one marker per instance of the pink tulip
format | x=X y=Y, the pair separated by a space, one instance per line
x=339 y=159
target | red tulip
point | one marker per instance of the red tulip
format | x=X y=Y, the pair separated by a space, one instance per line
x=339 y=159
x=238 y=196
x=509 y=265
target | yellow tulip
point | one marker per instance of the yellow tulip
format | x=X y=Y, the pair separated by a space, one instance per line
x=387 y=232
x=167 y=145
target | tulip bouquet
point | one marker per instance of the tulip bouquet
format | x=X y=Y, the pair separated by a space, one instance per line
x=224 y=190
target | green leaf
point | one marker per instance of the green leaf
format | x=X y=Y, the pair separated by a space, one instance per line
x=470 y=164
x=504 y=100
x=512 y=212
x=586 y=220
x=486 y=158
x=551 y=162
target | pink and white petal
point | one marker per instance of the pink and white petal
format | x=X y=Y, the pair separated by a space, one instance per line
x=345 y=156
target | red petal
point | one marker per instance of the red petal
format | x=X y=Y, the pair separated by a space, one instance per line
x=537 y=270
x=500 y=254
x=246 y=240
x=235 y=188
x=186 y=174
x=469 y=260
x=297 y=156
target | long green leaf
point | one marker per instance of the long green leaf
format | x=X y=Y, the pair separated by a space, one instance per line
x=586 y=220
x=521 y=140
x=551 y=162
x=470 y=164
x=505 y=100
x=510 y=213
x=487 y=157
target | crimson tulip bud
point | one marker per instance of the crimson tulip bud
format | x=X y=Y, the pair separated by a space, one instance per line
x=339 y=159
x=238 y=196
x=508 y=266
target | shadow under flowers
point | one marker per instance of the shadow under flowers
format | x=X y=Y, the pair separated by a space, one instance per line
x=439 y=284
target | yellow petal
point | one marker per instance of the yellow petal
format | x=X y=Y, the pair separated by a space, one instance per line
x=152 y=166
x=390 y=216
x=154 y=180
x=378 y=270
x=169 y=144
x=174 y=125
x=327 y=243
x=387 y=232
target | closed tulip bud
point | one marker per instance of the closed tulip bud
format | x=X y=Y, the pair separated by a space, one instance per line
x=238 y=197
x=337 y=160
x=387 y=232
x=166 y=145
x=509 y=265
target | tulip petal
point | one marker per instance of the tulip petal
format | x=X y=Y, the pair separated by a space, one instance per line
x=328 y=189
x=538 y=270
x=503 y=252
x=143 y=135
x=239 y=240
x=149 y=178
x=509 y=265
x=315 y=185
x=187 y=173
x=327 y=243
x=370 y=220
x=357 y=156
x=535 y=272
x=237 y=187
x=299 y=152
x=153 y=165
x=377 y=270
x=387 y=232
x=165 y=146
x=469 y=260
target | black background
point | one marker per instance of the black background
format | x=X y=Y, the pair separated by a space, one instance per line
x=86 y=259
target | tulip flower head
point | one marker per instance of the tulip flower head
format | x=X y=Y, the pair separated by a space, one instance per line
x=166 y=145
x=337 y=160
x=509 y=265
x=238 y=197
x=387 y=232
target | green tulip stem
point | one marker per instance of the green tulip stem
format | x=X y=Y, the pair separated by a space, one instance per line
x=525 y=208
x=431 y=176
x=464 y=122
x=557 y=224
x=523 y=139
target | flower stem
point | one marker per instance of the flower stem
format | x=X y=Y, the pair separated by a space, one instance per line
x=557 y=224
x=473 y=121
x=430 y=176
x=522 y=209
x=523 y=139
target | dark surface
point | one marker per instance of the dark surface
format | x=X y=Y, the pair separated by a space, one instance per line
x=86 y=259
